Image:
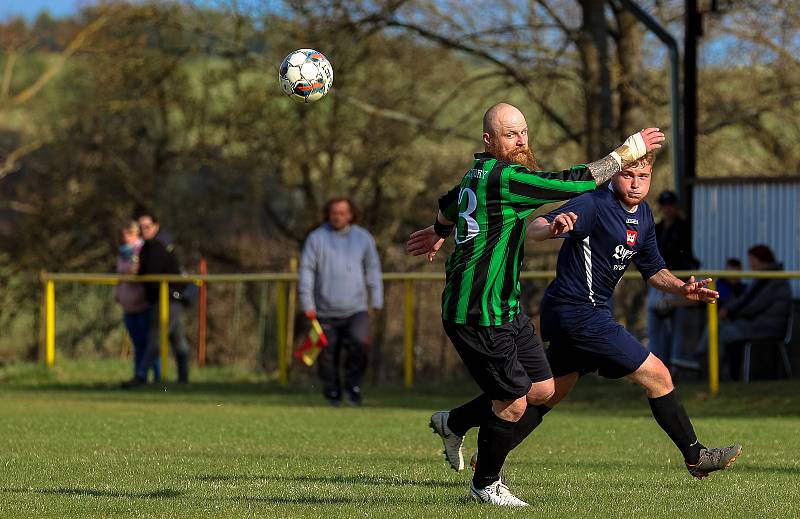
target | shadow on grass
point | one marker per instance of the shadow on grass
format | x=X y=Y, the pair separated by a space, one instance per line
x=249 y=393
x=591 y=396
x=156 y=388
x=340 y=500
x=256 y=393
x=166 y=493
x=741 y=465
x=304 y=500
x=363 y=479
x=766 y=469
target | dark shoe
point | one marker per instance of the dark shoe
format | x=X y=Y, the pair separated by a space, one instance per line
x=355 y=396
x=714 y=459
x=134 y=382
x=183 y=370
x=334 y=402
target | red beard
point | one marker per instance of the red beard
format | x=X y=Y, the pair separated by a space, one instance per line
x=521 y=155
x=524 y=156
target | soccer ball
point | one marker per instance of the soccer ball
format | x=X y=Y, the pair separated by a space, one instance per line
x=306 y=75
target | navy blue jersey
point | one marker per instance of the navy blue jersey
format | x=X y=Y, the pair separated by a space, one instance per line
x=596 y=253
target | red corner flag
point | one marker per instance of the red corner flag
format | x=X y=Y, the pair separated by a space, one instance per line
x=315 y=341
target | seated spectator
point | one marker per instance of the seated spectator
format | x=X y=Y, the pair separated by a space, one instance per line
x=133 y=299
x=761 y=312
x=730 y=289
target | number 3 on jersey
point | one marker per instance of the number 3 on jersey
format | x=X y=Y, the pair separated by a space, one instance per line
x=472 y=228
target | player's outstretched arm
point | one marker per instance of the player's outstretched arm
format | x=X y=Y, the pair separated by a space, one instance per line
x=634 y=148
x=540 y=229
x=429 y=240
x=692 y=290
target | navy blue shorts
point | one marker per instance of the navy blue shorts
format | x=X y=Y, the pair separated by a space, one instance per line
x=585 y=340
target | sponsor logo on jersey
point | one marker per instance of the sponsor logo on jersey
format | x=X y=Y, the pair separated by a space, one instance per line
x=632 y=221
x=622 y=253
x=630 y=237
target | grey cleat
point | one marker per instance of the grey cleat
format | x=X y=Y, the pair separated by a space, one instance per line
x=714 y=459
x=451 y=441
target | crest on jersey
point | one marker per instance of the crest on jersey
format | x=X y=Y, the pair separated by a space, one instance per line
x=630 y=237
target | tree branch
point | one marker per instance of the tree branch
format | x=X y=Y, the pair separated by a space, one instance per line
x=54 y=69
x=519 y=78
x=406 y=118
x=8 y=72
x=10 y=164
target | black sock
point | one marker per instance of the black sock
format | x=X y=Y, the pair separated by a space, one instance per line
x=472 y=414
x=529 y=421
x=672 y=417
x=495 y=439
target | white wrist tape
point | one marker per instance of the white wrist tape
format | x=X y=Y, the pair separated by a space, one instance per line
x=631 y=150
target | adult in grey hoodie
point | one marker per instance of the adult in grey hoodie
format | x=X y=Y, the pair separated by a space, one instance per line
x=340 y=280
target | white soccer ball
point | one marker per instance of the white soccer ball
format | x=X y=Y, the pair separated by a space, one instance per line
x=306 y=75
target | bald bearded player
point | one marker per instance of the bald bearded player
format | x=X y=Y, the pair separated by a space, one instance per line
x=480 y=303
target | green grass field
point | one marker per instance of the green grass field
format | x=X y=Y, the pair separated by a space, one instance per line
x=234 y=445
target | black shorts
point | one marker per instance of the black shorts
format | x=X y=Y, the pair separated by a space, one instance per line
x=503 y=360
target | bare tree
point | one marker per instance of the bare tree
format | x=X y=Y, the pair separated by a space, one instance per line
x=9 y=100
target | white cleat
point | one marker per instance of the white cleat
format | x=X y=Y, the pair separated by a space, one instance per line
x=495 y=494
x=452 y=442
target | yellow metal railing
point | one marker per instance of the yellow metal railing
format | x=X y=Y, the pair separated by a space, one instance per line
x=163 y=328
x=286 y=283
x=49 y=318
x=50 y=326
x=713 y=345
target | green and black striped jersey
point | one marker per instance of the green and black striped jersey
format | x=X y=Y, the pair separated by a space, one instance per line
x=490 y=207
